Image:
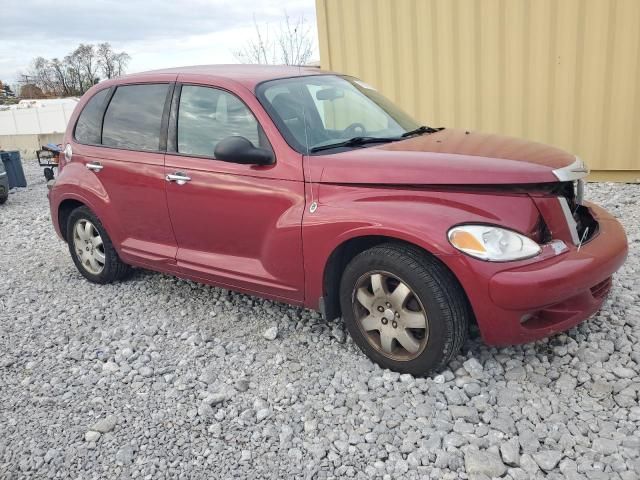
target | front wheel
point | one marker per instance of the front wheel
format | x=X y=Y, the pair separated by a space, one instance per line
x=404 y=309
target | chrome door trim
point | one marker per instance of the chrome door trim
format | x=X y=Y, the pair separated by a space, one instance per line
x=94 y=167
x=178 y=177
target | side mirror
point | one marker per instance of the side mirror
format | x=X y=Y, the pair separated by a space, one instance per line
x=236 y=149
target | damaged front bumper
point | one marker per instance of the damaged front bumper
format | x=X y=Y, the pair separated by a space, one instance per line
x=533 y=301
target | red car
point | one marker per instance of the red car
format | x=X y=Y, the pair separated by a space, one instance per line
x=310 y=188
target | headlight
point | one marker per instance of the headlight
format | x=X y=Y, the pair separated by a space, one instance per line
x=491 y=243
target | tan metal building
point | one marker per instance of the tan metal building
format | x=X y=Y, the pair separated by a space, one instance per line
x=563 y=72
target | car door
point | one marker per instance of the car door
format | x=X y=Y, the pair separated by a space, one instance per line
x=126 y=154
x=236 y=225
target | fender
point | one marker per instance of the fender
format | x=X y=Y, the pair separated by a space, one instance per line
x=421 y=217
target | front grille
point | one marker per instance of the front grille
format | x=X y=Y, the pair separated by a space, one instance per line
x=585 y=225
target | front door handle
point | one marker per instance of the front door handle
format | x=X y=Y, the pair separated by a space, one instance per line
x=178 y=177
x=94 y=167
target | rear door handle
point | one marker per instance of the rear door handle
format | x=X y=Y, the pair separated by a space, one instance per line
x=178 y=177
x=94 y=167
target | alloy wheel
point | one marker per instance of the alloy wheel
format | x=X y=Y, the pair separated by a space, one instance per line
x=390 y=315
x=89 y=247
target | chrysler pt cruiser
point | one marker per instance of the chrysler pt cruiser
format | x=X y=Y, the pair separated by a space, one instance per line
x=310 y=188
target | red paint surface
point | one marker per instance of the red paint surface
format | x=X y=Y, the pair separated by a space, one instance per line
x=249 y=228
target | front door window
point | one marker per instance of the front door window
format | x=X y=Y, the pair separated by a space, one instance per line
x=208 y=115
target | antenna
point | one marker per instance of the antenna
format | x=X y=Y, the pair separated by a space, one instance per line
x=306 y=159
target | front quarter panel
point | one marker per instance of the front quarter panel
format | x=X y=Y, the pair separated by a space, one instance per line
x=418 y=216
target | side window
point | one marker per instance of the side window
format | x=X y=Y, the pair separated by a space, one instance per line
x=89 y=122
x=134 y=117
x=207 y=115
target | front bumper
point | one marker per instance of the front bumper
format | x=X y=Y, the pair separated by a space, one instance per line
x=535 y=300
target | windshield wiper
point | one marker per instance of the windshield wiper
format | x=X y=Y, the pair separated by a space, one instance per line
x=421 y=130
x=354 y=142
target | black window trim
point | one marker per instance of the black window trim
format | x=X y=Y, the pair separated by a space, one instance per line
x=172 y=130
x=107 y=101
x=172 y=134
x=101 y=112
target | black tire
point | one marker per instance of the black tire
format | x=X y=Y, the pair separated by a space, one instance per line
x=433 y=285
x=3 y=198
x=113 y=269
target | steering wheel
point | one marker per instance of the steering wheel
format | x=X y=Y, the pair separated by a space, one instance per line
x=355 y=130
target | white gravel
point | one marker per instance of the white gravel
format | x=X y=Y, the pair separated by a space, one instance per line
x=162 y=378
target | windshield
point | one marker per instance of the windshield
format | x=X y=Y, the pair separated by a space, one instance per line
x=321 y=110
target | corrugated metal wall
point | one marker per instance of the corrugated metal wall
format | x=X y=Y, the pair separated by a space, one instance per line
x=564 y=72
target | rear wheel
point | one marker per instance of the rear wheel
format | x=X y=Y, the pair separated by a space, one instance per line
x=91 y=248
x=404 y=308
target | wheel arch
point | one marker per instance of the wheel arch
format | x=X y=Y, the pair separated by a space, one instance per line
x=343 y=253
x=66 y=197
x=64 y=211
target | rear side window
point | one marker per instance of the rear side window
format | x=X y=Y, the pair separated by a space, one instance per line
x=207 y=115
x=90 y=120
x=134 y=117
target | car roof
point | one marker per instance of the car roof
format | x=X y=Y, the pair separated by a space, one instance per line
x=248 y=75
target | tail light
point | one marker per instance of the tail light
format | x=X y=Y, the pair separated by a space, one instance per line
x=68 y=152
x=65 y=156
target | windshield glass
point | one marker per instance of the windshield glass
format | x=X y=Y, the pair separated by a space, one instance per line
x=317 y=110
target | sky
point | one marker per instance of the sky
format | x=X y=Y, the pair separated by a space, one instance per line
x=157 y=34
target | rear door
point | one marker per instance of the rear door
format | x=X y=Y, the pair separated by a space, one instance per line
x=127 y=156
x=236 y=225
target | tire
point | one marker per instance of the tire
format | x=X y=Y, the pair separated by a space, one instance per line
x=435 y=299
x=3 y=198
x=106 y=266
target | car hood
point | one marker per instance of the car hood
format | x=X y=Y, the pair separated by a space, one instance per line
x=450 y=156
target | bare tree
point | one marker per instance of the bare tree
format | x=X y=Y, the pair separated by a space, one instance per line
x=106 y=59
x=293 y=44
x=74 y=66
x=77 y=72
x=64 y=82
x=112 y=64
x=122 y=60
x=86 y=56
x=41 y=75
x=260 y=49
x=54 y=77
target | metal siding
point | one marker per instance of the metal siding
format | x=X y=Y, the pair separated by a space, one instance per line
x=560 y=72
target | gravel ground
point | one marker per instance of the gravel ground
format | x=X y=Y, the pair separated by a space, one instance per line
x=163 y=378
